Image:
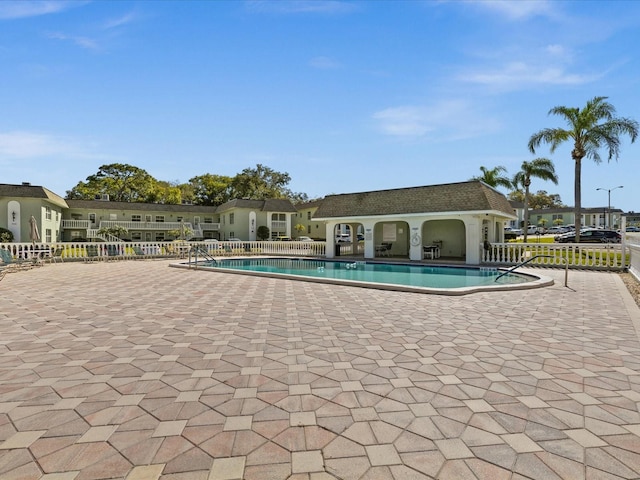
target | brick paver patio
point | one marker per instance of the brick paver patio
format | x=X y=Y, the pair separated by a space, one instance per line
x=134 y=370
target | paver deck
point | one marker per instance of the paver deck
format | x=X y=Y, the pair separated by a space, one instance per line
x=134 y=370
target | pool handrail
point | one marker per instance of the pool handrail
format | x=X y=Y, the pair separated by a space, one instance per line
x=566 y=267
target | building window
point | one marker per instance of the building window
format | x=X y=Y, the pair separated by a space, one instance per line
x=309 y=215
x=47 y=213
x=232 y=234
x=92 y=218
x=159 y=236
x=309 y=229
x=160 y=219
x=556 y=216
x=136 y=236
x=231 y=218
x=179 y=219
x=47 y=235
x=147 y=218
x=136 y=218
x=208 y=220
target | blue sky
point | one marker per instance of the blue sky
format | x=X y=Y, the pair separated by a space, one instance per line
x=344 y=96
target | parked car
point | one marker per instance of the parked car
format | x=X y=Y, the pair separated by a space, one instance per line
x=633 y=229
x=343 y=237
x=234 y=239
x=304 y=239
x=516 y=231
x=591 y=235
x=282 y=238
x=557 y=230
x=535 y=230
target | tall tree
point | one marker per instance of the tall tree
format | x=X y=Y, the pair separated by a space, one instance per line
x=494 y=177
x=209 y=189
x=538 y=200
x=260 y=183
x=122 y=182
x=541 y=168
x=591 y=128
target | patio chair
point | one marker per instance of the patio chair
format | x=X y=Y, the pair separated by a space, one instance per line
x=113 y=251
x=139 y=252
x=93 y=254
x=386 y=250
x=6 y=258
x=57 y=255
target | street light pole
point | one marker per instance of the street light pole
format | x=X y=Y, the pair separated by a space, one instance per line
x=609 y=190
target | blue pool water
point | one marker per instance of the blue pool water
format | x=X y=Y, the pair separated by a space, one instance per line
x=363 y=273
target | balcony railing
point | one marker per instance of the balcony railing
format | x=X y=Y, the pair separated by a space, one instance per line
x=76 y=224
x=278 y=225
x=209 y=226
x=145 y=225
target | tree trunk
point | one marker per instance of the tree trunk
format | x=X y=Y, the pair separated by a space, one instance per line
x=577 y=197
x=526 y=212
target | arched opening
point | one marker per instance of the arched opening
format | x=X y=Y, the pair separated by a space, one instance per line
x=391 y=239
x=349 y=239
x=449 y=236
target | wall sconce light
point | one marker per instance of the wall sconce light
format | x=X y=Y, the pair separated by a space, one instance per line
x=13 y=215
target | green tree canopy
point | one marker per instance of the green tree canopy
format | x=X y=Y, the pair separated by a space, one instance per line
x=494 y=177
x=590 y=129
x=538 y=200
x=260 y=183
x=122 y=182
x=541 y=168
x=211 y=189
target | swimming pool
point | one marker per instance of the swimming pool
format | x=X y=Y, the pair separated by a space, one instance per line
x=389 y=276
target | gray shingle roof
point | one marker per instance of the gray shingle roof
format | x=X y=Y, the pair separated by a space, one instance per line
x=31 y=191
x=133 y=206
x=451 y=197
x=268 y=205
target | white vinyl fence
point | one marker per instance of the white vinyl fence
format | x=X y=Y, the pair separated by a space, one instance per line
x=605 y=256
x=70 y=251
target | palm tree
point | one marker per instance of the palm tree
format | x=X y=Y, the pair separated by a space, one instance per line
x=590 y=128
x=493 y=177
x=541 y=168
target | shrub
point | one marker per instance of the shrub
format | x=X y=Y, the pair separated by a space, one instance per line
x=6 y=236
x=263 y=232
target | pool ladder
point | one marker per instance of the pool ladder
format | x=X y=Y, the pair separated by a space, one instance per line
x=204 y=254
x=566 y=267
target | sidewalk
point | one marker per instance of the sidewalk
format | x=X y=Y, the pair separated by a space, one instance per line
x=134 y=370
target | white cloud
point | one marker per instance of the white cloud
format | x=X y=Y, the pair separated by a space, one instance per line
x=324 y=63
x=22 y=145
x=118 y=22
x=517 y=75
x=84 y=42
x=443 y=121
x=517 y=9
x=299 y=6
x=12 y=9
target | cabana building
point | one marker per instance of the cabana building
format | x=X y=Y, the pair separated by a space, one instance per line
x=450 y=221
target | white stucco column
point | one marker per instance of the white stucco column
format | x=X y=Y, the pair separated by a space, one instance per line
x=415 y=240
x=473 y=227
x=330 y=236
x=369 y=244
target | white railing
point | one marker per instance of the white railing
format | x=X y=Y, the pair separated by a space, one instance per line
x=130 y=250
x=605 y=256
x=209 y=226
x=77 y=224
x=145 y=225
x=634 y=260
x=278 y=225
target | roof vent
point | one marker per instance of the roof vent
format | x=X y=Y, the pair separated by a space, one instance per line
x=26 y=184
